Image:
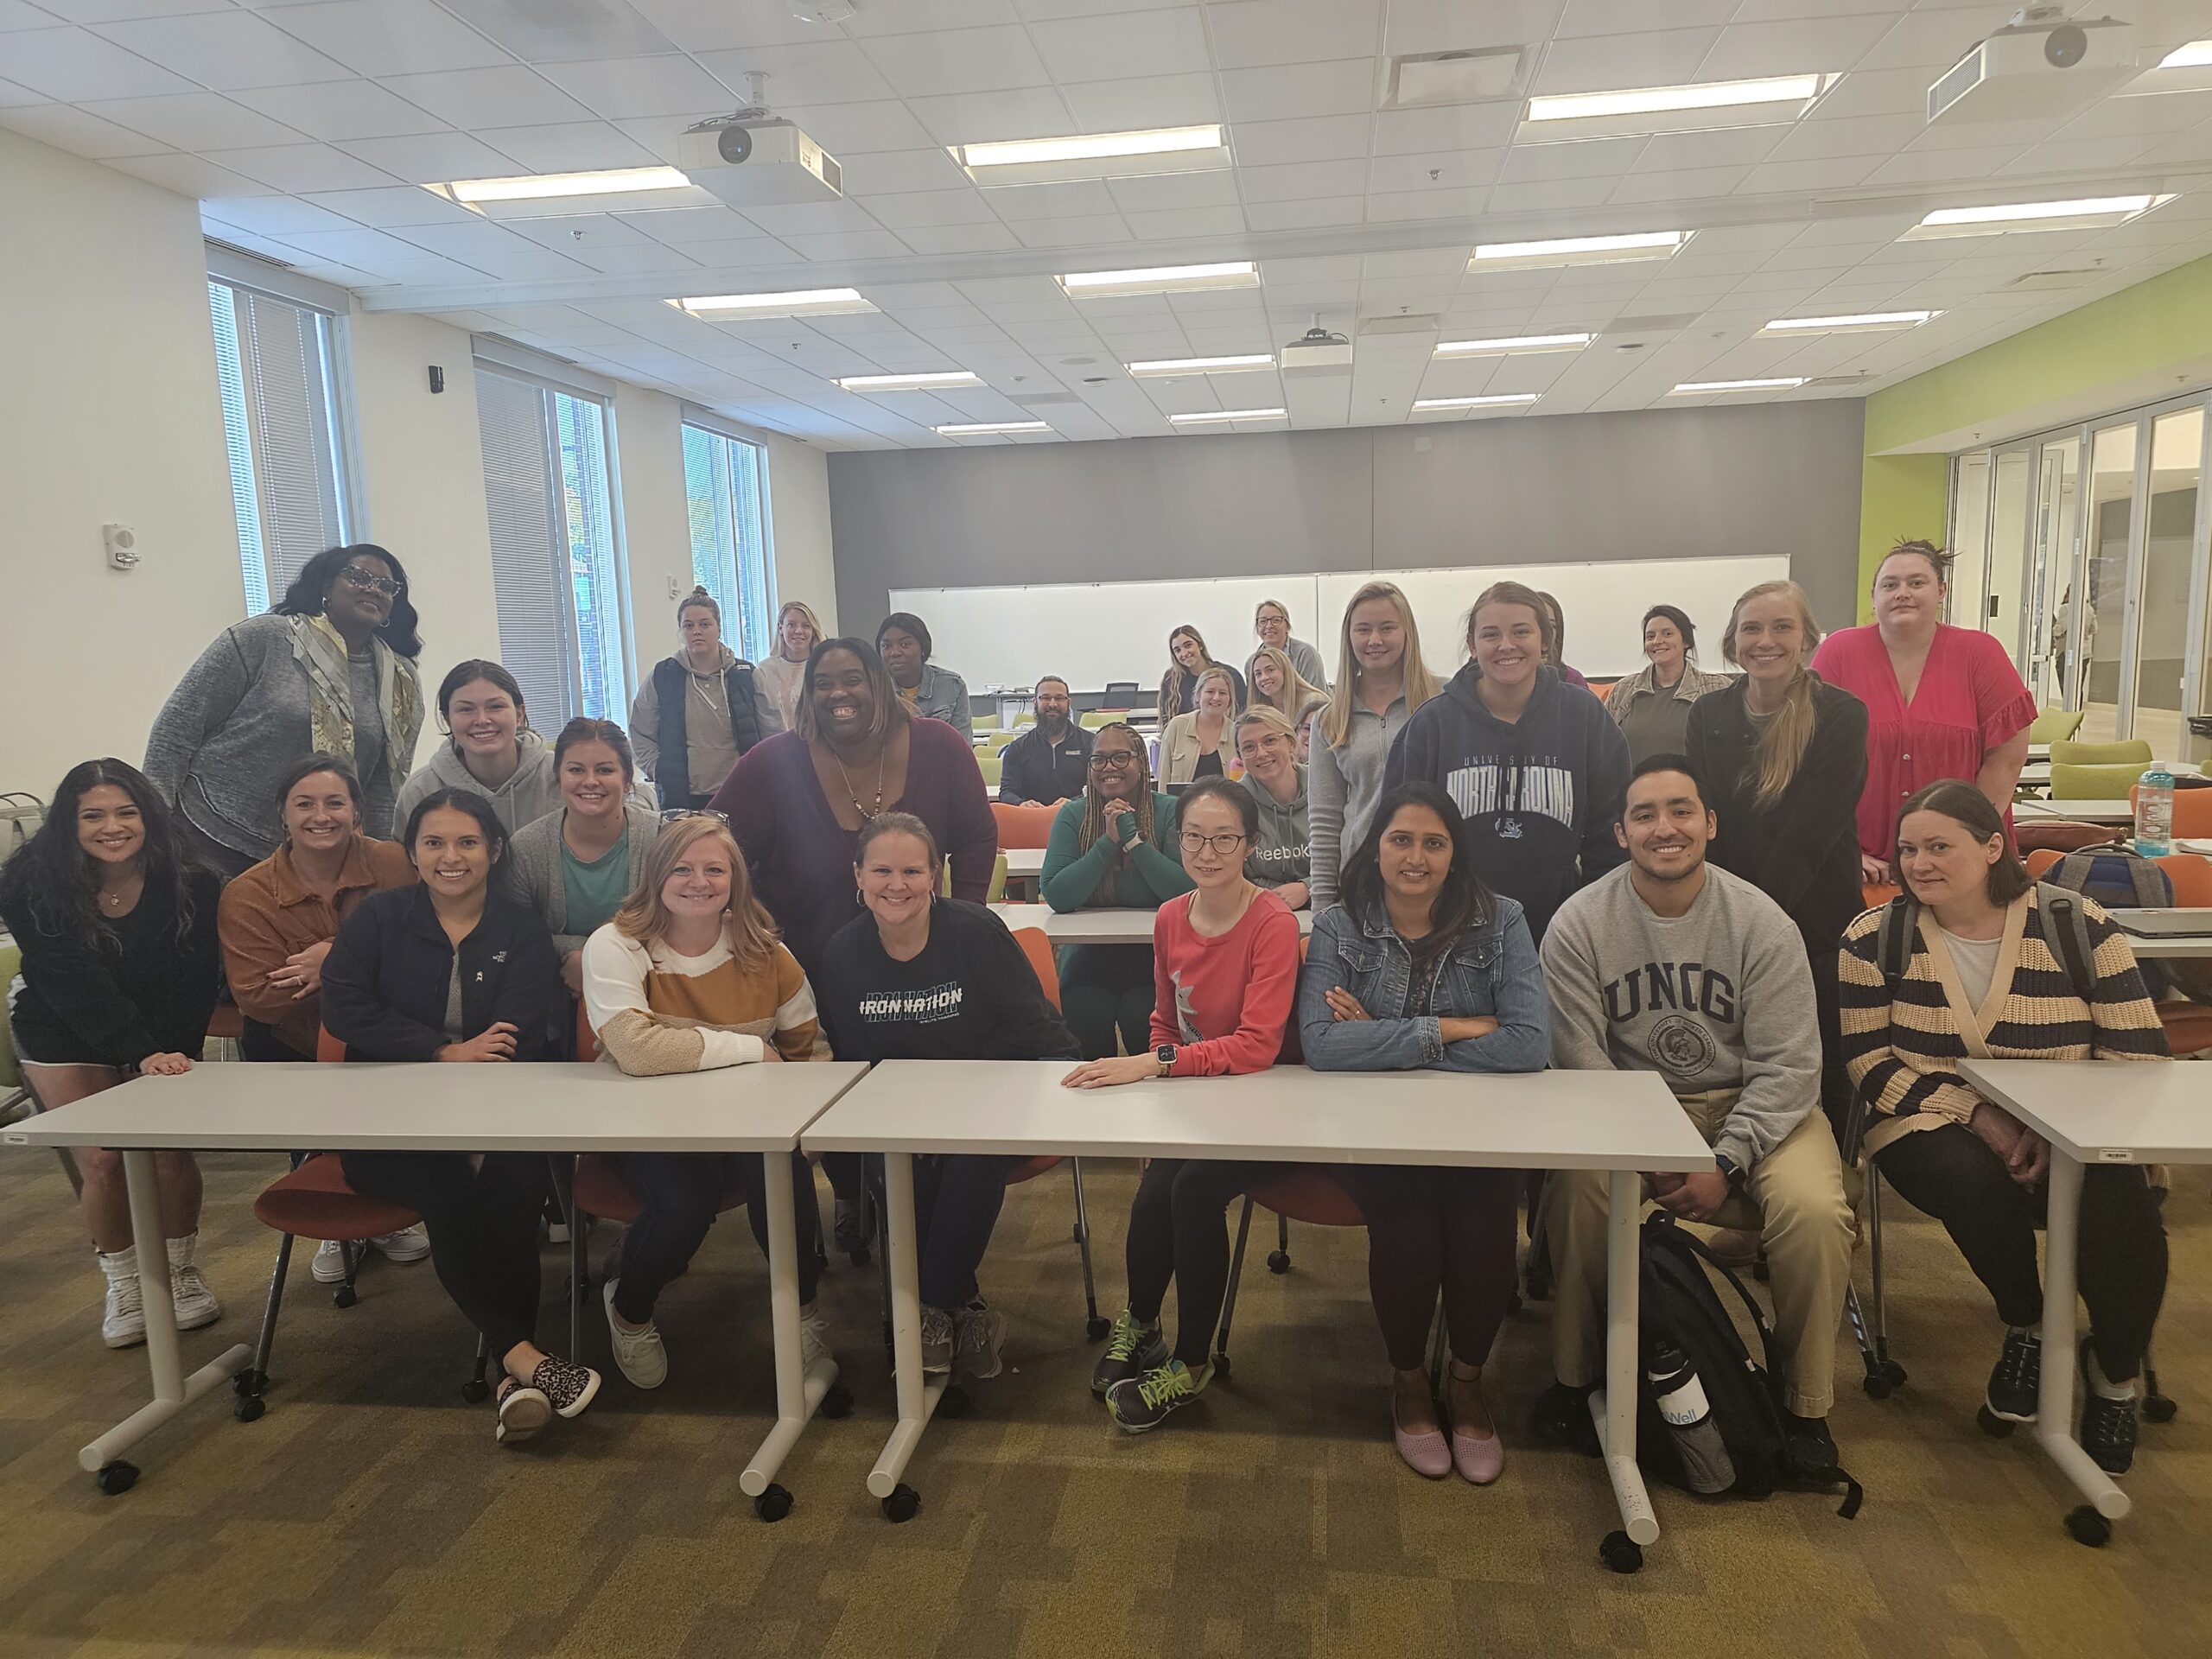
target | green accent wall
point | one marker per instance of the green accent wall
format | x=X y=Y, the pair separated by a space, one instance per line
x=1900 y=497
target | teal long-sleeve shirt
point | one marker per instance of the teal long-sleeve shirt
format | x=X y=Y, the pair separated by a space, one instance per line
x=1077 y=881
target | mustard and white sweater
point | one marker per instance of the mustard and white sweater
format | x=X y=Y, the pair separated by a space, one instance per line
x=656 y=1013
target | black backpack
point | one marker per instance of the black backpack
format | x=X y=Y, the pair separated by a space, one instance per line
x=1681 y=1310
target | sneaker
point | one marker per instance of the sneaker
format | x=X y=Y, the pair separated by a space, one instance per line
x=639 y=1354
x=408 y=1244
x=194 y=1303
x=523 y=1412
x=1142 y=1402
x=123 y=1322
x=979 y=1334
x=2016 y=1380
x=1132 y=1350
x=855 y=1223
x=2109 y=1426
x=567 y=1385
x=1808 y=1448
x=329 y=1264
x=1562 y=1416
x=813 y=1340
x=937 y=1341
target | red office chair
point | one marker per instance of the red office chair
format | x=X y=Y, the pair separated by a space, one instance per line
x=1304 y=1193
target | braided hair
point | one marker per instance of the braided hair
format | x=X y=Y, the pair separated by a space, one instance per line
x=1094 y=804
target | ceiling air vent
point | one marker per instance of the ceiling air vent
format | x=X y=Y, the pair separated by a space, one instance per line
x=248 y=253
x=1470 y=77
x=1417 y=322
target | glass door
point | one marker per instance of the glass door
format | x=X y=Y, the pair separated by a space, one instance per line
x=2108 y=534
x=2051 y=587
x=2168 y=569
x=2021 y=625
x=1969 y=542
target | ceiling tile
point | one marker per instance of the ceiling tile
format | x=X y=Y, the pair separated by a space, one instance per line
x=113 y=12
x=1291 y=92
x=1866 y=135
x=1552 y=193
x=224 y=50
x=1108 y=49
x=1303 y=214
x=1434 y=203
x=194 y=121
x=851 y=244
x=1605 y=62
x=275 y=216
x=493 y=249
x=1166 y=192
x=1940 y=166
x=1102 y=230
x=860 y=129
x=1436 y=170
x=1934 y=38
x=1148 y=101
x=389 y=37
x=958 y=239
x=812 y=218
x=1290 y=143
x=979 y=117
x=1792 y=178
x=68 y=128
x=188 y=175
x=340 y=109
x=704 y=25
x=1251 y=33
x=431 y=157
x=74 y=65
x=1595 y=158
x=1465 y=126
x=1586 y=17
x=1072 y=200
x=1176 y=223
x=569 y=147
x=1461 y=25
x=1817 y=45
x=1724 y=147
x=391 y=206
x=682 y=227
x=296 y=167
x=902 y=172
x=1687 y=184
x=752 y=252
x=627 y=87
x=506 y=95
x=820 y=72
x=567 y=234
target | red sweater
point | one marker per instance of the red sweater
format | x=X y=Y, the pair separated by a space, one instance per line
x=1225 y=1001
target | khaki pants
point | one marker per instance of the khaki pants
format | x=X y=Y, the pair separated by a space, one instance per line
x=1804 y=1223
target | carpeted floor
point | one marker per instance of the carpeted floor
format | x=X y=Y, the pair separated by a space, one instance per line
x=370 y=1512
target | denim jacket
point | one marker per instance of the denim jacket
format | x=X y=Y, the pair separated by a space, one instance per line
x=1490 y=971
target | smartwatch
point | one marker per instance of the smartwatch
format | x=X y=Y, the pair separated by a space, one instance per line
x=1166 y=1055
x=1730 y=1171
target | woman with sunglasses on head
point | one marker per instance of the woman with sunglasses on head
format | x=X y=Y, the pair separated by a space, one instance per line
x=578 y=865
x=699 y=710
x=330 y=669
x=922 y=977
x=120 y=970
x=492 y=751
x=1103 y=853
x=1423 y=967
x=1225 y=975
x=689 y=976
x=454 y=970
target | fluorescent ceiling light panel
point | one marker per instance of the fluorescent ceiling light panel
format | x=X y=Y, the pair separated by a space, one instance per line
x=1201 y=365
x=1768 y=101
x=1095 y=155
x=1865 y=322
x=1216 y=416
x=1496 y=400
x=1579 y=251
x=1699 y=388
x=2197 y=54
x=797 y=302
x=2086 y=213
x=989 y=428
x=1513 y=345
x=1162 y=279
x=910 y=382
x=549 y=195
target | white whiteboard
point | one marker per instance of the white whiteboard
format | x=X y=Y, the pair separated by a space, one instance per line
x=1095 y=633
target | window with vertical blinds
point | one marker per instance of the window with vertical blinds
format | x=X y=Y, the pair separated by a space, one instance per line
x=723 y=477
x=274 y=367
x=556 y=570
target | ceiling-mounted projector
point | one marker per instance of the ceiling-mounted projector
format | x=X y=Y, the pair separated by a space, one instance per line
x=755 y=160
x=1318 y=351
x=2038 y=65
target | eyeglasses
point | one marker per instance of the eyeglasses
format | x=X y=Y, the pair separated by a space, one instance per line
x=677 y=814
x=374 y=584
x=1223 y=846
x=1113 y=760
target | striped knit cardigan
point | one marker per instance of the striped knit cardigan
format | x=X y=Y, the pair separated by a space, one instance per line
x=1903 y=1060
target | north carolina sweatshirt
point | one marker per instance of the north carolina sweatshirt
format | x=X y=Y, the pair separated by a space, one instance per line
x=1540 y=793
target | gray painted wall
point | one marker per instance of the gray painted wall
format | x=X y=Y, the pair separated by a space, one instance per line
x=1643 y=485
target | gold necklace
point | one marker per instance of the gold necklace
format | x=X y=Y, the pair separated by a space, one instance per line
x=860 y=811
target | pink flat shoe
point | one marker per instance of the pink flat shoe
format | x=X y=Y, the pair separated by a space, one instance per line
x=1479 y=1462
x=1424 y=1453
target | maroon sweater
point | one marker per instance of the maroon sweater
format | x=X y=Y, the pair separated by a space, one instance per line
x=801 y=857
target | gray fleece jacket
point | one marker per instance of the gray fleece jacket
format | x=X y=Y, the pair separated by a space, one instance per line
x=1720 y=997
x=1346 y=782
x=534 y=790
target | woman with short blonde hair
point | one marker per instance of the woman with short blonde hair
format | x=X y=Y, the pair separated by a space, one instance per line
x=1202 y=743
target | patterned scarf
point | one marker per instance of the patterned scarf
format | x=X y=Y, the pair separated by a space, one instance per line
x=320 y=650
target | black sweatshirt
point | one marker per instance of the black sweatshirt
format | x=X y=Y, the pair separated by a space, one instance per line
x=971 y=995
x=141 y=991
x=385 y=979
x=1803 y=851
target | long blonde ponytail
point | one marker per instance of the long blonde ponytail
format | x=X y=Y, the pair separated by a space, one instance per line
x=1788 y=733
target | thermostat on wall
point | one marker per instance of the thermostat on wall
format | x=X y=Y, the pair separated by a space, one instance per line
x=121 y=544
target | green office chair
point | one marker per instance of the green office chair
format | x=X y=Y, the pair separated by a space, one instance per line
x=992 y=765
x=2054 y=725
x=2134 y=751
x=2105 y=783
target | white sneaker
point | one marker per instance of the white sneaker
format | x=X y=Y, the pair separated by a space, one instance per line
x=194 y=1302
x=329 y=1265
x=813 y=1338
x=123 y=1324
x=408 y=1244
x=641 y=1354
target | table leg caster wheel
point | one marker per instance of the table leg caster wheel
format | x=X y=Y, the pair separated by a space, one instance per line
x=837 y=1401
x=1621 y=1553
x=1993 y=1426
x=1220 y=1366
x=475 y=1390
x=249 y=1407
x=2158 y=1408
x=116 y=1478
x=903 y=1503
x=954 y=1402
x=1278 y=1261
x=2085 y=1526
x=1096 y=1327
x=1885 y=1380
x=773 y=1504
x=344 y=1296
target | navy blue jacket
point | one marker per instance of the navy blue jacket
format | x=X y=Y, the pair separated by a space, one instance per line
x=385 y=979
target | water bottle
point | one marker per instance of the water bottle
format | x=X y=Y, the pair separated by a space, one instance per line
x=1706 y=1467
x=2154 y=812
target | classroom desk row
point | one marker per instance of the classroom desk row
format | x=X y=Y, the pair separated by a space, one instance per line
x=1626 y=1123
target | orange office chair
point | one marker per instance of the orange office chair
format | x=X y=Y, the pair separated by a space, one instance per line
x=2192 y=811
x=1305 y=1194
x=1025 y=825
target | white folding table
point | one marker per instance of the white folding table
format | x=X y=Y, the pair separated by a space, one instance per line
x=2093 y=812
x=557 y=1109
x=2091 y=1112
x=2149 y=946
x=1625 y=1123
x=1105 y=925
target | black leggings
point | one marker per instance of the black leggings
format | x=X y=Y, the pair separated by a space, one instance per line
x=678 y=1195
x=483 y=1228
x=1951 y=1174
x=1106 y=991
x=1427 y=1228
x=1178 y=1231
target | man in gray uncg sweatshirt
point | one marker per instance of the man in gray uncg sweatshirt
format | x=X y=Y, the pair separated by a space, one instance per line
x=1669 y=964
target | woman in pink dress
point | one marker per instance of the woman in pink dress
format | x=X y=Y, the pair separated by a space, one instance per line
x=1941 y=702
